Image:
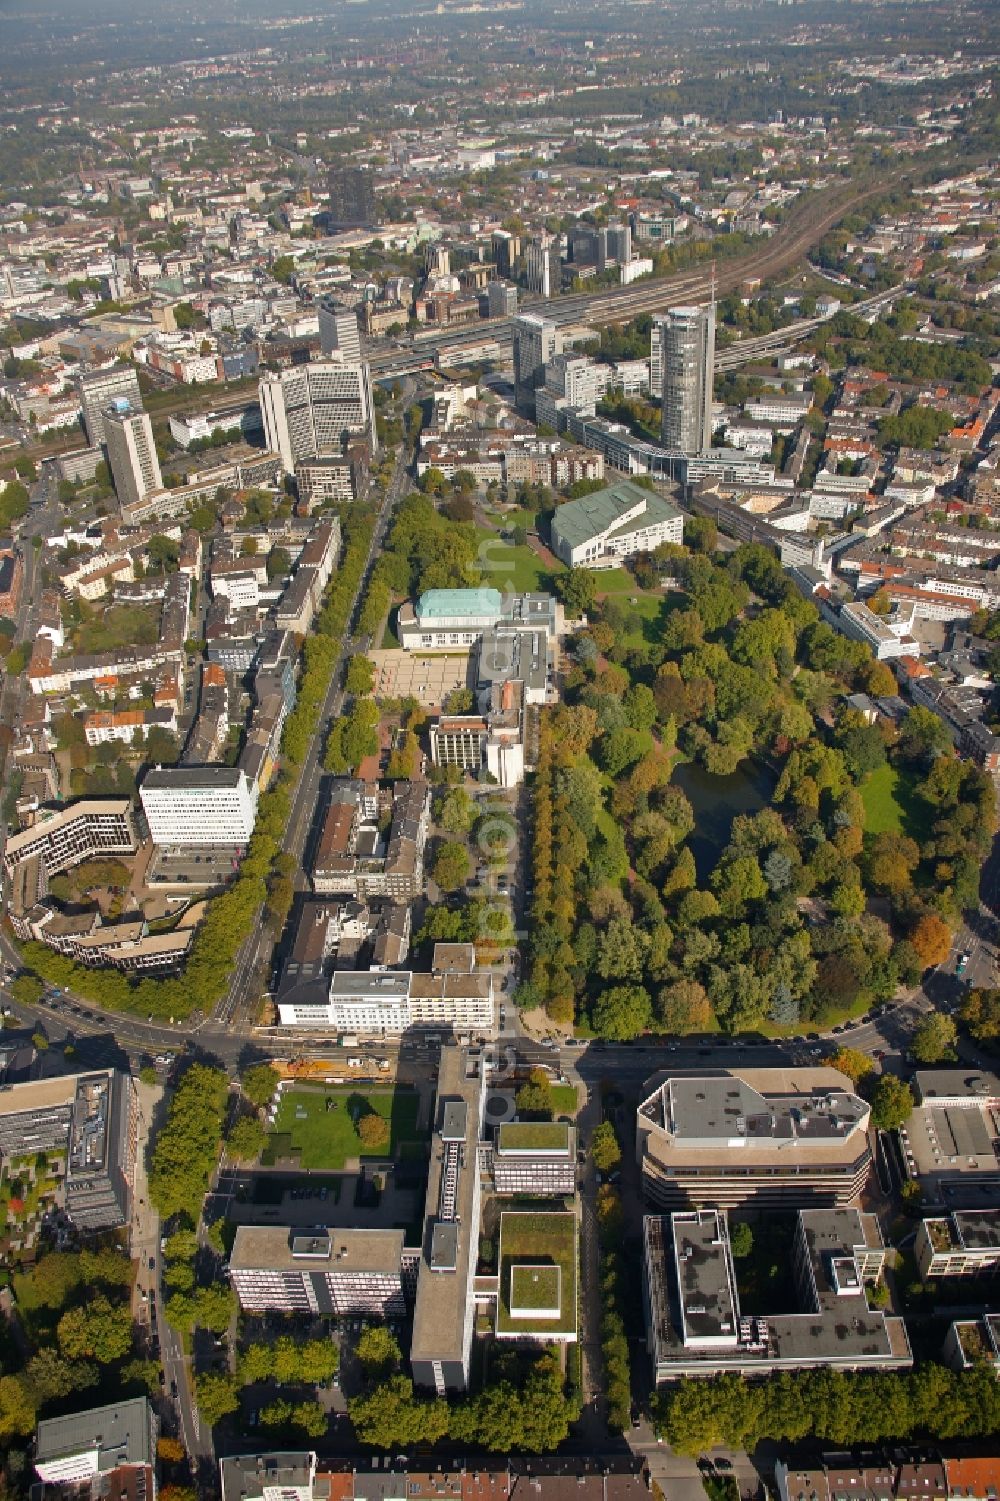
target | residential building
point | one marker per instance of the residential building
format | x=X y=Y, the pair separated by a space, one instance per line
x=902 y=1476
x=288 y=1475
x=613 y=523
x=99 y=389
x=965 y=1243
x=534 y=1158
x=92 y=827
x=312 y=411
x=458 y=619
x=92 y=1119
x=91 y=1446
x=687 y=368
x=444 y=1314
x=135 y=467
x=535 y=342
x=276 y=1269
x=354 y=858
x=352 y=198
x=339 y=332
x=693 y=1318
x=199 y=805
x=767 y=1137
x=11 y=580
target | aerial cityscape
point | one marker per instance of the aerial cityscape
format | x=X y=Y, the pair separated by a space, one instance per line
x=500 y=751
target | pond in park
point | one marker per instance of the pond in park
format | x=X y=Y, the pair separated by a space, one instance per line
x=716 y=802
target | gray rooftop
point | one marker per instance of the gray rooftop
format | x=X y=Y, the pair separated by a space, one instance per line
x=247 y=1476
x=120 y=1433
x=177 y=778
x=578 y=521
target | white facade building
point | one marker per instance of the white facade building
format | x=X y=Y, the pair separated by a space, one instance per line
x=199 y=805
x=310 y=411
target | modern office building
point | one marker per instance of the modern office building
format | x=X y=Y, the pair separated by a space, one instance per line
x=90 y=828
x=339 y=332
x=694 y=1324
x=762 y=1137
x=951 y=1142
x=534 y=1158
x=92 y=1119
x=135 y=467
x=387 y=1003
x=460 y=740
x=91 y=1446
x=99 y=389
x=686 y=357
x=444 y=1315
x=541 y=265
x=535 y=341
x=501 y=299
x=352 y=198
x=458 y=619
x=199 y=805
x=613 y=523
x=312 y=411
x=963 y=1244
x=322 y=1271
x=536 y=1292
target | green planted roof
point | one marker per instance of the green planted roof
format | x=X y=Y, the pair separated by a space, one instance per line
x=579 y=521
x=534 y=1136
x=447 y=602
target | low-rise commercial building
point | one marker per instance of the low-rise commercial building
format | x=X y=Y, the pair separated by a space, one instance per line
x=951 y=1141
x=322 y=1271
x=963 y=1244
x=86 y=1447
x=766 y=1136
x=382 y=1003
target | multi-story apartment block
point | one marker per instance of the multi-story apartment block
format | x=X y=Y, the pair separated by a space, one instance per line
x=963 y=1244
x=94 y=826
x=694 y=1322
x=135 y=467
x=322 y=1271
x=534 y=1158
x=353 y=858
x=686 y=356
x=766 y=1137
x=199 y=805
x=535 y=342
x=98 y=389
x=312 y=411
x=339 y=331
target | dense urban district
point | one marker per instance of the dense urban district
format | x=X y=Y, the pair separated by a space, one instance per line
x=499 y=752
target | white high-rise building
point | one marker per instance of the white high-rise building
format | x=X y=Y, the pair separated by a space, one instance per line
x=199 y=805
x=541 y=265
x=338 y=331
x=135 y=467
x=97 y=389
x=687 y=345
x=535 y=342
x=309 y=411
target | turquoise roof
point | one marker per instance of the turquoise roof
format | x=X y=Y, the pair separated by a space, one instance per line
x=447 y=602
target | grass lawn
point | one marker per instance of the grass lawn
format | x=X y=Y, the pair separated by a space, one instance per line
x=533 y=1136
x=565 y=1100
x=537 y=1241
x=118 y=626
x=323 y=1138
x=505 y=566
x=890 y=803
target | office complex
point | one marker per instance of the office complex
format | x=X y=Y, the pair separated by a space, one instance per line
x=92 y=827
x=339 y=332
x=312 y=411
x=132 y=457
x=951 y=1141
x=963 y=1244
x=766 y=1137
x=352 y=198
x=386 y=1003
x=321 y=1271
x=199 y=805
x=100 y=1444
x=535 y=341
x=693 y=1317
x=99 y=389
x=686 y=362
x=90 y=1118
x=445 y=1312
x=613 y=523
x=534 y=1158
x=541 y=265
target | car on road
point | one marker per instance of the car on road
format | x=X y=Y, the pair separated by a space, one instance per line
x=963 y=960
x=173 y=1390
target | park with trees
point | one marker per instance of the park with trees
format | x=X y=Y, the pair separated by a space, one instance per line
x=847 y=884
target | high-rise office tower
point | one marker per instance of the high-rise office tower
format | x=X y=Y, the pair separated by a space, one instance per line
x=687 y=340
x=541 y=264
x=618 y=244
x=310 y=411
x=656 y=357
x=352 y=198
x=535 y=341
x=338 y=330
x=506 y=249
x=98 y=388
x=135 y=467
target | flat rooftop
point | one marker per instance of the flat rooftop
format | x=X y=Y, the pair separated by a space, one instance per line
x=285 y=1248
x=534 y=1138
x=119 y=1433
